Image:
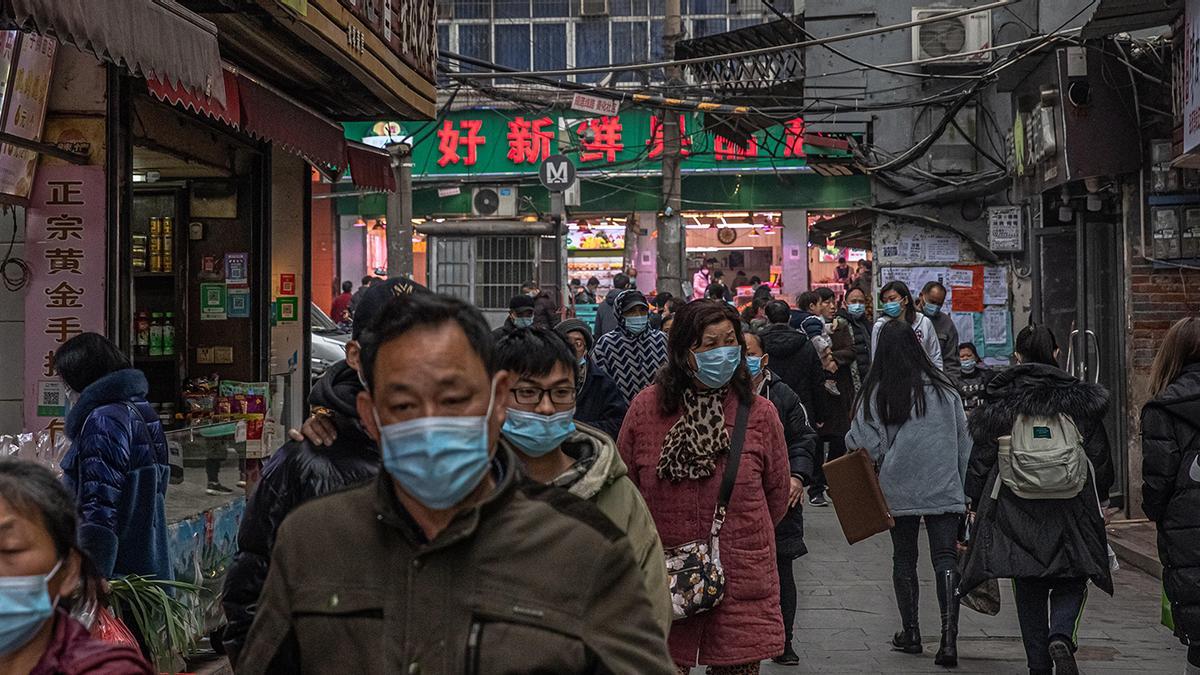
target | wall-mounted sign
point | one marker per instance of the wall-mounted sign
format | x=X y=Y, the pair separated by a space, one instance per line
x=65 y=248
x=212 y=302
x=287 y=309
x=1191 y=76
x=236 y=265
x=25 y=95
x=287 y=284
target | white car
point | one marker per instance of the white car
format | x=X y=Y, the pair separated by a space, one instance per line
x=328 y=342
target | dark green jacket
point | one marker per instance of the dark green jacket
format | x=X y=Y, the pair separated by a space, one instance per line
x=532 y=579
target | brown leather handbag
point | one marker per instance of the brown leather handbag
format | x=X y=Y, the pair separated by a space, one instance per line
x=854 y=487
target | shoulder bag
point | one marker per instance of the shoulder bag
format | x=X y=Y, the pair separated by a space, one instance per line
x=696 y=578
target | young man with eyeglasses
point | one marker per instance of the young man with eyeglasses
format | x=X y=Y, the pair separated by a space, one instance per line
x=554 y=449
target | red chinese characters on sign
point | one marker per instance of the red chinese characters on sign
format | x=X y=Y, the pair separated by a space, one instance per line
x=601 y=139
x=67 y=260
x=529 y=140
x=793 y=138
x=655 y=142
x=727 y=150
x=450 y=138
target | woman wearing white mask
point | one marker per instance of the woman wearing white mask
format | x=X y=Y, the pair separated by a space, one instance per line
x=897 y=302
x=39 y=568
x=677 y=440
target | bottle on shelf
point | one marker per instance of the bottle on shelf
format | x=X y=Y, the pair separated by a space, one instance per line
x=141 y=333
x=156 y=334
x=168 y=237
x=156 y=245
x=168 y=334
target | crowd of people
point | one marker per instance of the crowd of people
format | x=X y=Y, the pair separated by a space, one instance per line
x=625 y=497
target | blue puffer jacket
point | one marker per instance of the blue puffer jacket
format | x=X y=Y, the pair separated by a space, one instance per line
x=117 y=468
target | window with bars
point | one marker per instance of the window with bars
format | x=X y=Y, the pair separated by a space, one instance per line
x=502 y=264
x=551 y=34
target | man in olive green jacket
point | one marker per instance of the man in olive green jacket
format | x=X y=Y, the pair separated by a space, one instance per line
x=556 y=450
x=450 y=562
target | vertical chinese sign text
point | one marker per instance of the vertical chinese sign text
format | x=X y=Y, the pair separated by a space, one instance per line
x=66 y=254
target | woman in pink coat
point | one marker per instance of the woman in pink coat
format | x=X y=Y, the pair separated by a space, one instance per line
x=675 y=441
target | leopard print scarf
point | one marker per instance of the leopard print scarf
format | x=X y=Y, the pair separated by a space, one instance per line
x=693 y=444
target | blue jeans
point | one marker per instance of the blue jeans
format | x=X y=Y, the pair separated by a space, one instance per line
x=1041 y=624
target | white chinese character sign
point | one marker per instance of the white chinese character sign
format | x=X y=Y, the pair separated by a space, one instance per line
x=66 y=253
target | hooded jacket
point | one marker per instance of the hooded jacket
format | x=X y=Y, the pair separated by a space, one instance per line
x=117 y=469
x=73 y=651
x=606 y=314
x=600 y=402
x=530 y=579
x=802 y=459
x=1038 y=538
x=632 y=359
x=1171 y=493
x=794 y=360
x=606 y=484
x=298 y=472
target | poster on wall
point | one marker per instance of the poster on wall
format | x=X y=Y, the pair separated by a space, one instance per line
x=25 y=110
x=212 y=302
x=65 y=249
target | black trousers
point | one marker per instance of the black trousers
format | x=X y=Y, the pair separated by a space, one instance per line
x=830 y=449
x=1048 y=609
x=943 y=534
x=787 y=594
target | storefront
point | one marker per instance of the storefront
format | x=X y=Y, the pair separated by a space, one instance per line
x=479 y=168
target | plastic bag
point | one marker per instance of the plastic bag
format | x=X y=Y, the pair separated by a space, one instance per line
x=985 y=598
x=108 y=628
x=1168 y=618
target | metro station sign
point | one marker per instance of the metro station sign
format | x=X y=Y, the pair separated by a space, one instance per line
x=501 y=142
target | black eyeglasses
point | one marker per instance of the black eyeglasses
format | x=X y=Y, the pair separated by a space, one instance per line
x=534 y=395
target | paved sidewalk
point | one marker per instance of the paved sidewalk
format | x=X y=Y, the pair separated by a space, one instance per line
x=847 y=615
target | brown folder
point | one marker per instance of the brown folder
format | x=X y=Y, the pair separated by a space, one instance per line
x=854 y=488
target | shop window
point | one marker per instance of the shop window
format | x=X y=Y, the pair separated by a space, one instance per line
x=551 y=41
x=512 y=9
x=512 y=46
x=476 y=41
x=551 y=8
x=630 y=44
x=472 y=9
x=591 y=47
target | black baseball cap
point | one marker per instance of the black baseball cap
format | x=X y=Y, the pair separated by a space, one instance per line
x=378 y=295
x=520 y=302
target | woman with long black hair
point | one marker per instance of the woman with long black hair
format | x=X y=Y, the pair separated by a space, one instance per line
x=897 y=303
x=1049 y=546
x=676 y=442
x=909 y=417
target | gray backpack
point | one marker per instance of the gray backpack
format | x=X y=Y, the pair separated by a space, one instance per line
x=1043 y=458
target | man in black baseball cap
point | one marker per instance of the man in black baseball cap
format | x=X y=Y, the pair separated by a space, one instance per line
x=335 y=451
x=520 y=315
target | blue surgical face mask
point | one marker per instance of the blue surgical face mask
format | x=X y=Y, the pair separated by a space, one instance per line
x=583 y=361
x=523 y=321
x=967 y=365
x=437 y=460
x=636 y=324
x=856 y=309
x=931 y=310
x=534 y=434
x=892 y=309
x=754 y=365
x=25 y=606
x=715 y=367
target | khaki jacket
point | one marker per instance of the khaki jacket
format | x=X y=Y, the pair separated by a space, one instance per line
x=606 y=484
x=532 y=579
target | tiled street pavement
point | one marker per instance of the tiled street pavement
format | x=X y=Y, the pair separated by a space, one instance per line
x=847 y=614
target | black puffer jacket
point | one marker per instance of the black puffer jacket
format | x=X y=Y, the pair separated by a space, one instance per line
x=1171 y=493
x=296 y=473
x=802 y=458
x=795 y=361
x=861 y=328
x=1038 y=538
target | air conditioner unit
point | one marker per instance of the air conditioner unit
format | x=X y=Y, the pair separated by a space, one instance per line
x=496 y=201
x=593 y=7
x=943 y=40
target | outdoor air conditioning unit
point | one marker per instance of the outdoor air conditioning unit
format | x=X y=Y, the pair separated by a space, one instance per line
x=497 y=201
x=943 y=40
x=593 y=7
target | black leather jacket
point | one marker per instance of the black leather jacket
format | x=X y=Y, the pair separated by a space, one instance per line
x=296 y=473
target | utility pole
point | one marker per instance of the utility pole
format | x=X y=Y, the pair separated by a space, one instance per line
x=671 y=241
x=399 y=212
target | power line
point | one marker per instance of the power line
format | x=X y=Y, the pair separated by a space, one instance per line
x=597 y=70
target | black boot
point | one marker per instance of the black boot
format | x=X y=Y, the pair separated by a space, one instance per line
x=947 y=654
x=907 y=640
